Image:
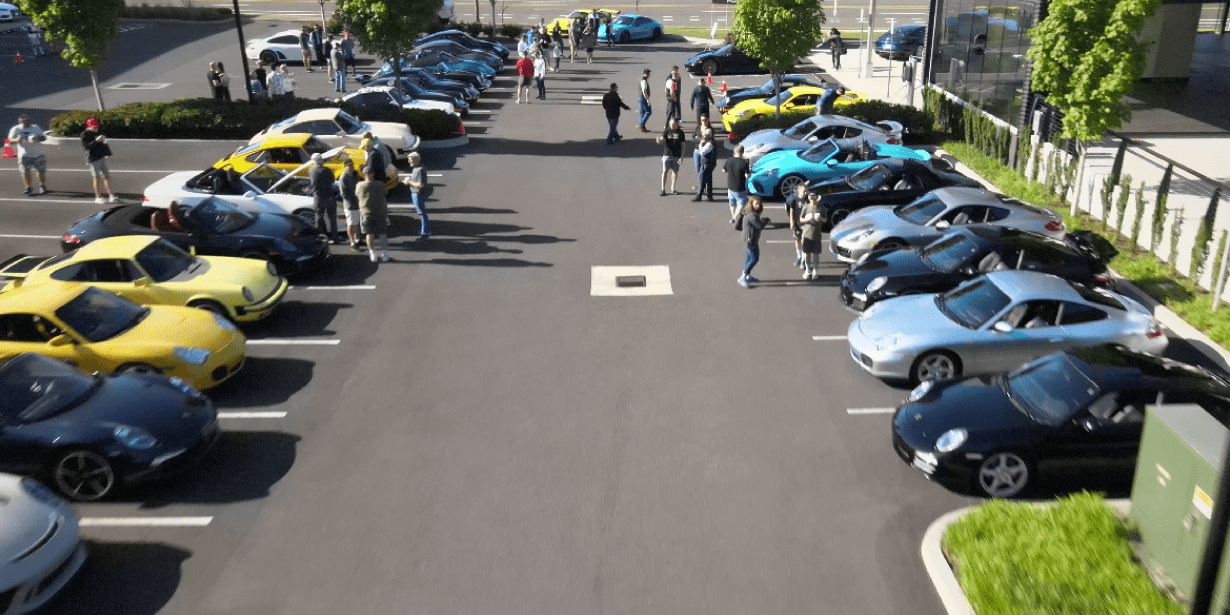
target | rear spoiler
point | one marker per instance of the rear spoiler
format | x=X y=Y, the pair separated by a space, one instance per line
x=20 y=266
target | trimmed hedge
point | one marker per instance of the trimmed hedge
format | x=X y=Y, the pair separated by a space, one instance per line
x=919 y=124
x=186 y=13
x=206 y=118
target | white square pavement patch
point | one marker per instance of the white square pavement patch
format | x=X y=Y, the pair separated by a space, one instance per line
x=657 y=281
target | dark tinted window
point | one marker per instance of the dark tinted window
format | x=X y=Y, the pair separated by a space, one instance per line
x=1079 y=313
x=26 y=328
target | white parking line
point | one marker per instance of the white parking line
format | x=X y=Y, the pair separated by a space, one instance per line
x=825 y=338
x=29 y=236
x=251 y=415
x=282 y=342
x=114 y=171
x=482 y=111
x=145 y=521
x=435 y=175
x=351 y=287
x=591 y=100
x=853 y=411
x=39 y=199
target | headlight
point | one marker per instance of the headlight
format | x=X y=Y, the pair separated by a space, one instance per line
x=133 y=437
x=771 y=172
x=875 y=284
x=247 y=294
x=743 y=113
x=865 y=234
x=37 y=491
x=951 y=440
x=193 y=356
x=222 y=322
x=920 y=391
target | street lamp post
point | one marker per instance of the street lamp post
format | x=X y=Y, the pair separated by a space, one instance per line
x=871 y=20
x=243 y=54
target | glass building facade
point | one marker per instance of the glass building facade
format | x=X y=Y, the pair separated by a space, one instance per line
x=979 y=52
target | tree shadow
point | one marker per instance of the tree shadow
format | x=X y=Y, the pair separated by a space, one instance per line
x=122 y=578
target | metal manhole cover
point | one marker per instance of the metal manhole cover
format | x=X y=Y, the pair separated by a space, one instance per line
x=630 y=281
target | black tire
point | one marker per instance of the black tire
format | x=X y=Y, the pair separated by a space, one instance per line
x=269 y=58
x=709 y=67
x=657 y=34
x=307 y=215
x=935 y=365
x=624 y=37
x=1003 y=475
x=82 y=476
x=839 y=214
x=253 y=254
x=891 y=244
x=137 y=368
x=788 y=184
x=211 y=306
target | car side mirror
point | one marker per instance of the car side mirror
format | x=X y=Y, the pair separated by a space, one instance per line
x=813 y=139
x=942 y=225
x=1002 y=327
x=60 y=340
x=830 y=162
x=1088 y=423
x=251 y=194
x=339 y=134
x=142 y=282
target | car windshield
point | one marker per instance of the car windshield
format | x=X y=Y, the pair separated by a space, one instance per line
x=97 y=315
x=819 y=152
x=623 y=21
x=800 y=130
x=247 y=149
x=315 y=146
x=284 y=123
x=920 y=210
x=725 y=51
x=34 y=387
x=1050 y=390
x=263 y=176
x=349 y=124
x=974 y=304
x=870 y=178
x=781 y=98
x=948 y=253
x=219 y=218
x=165 y=262
x=398 y=96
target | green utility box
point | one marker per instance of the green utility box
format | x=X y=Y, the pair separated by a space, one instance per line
x=1177 y=471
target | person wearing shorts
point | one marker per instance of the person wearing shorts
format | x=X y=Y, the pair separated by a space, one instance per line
x=737 y=173
x=672 y=141
x=809 y=219
x=525 y=72
x=794 y=204
x=28 y=139
x=96 y=158
x=374 y=214
x=347 y=184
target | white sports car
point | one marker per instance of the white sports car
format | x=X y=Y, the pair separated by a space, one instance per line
x=40 y=548
x=263 y=189
x=280 y=47
x=340 y=129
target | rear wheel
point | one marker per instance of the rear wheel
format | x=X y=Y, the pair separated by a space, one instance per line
x=790 y=183
x=307 y=215
x=253 y=254
x=1003 y=475
x=709 y=66
x=935 y=365
x=83 y=476
x=269 y=58
x=838 y=215
x=210 y=306
x=657 y=34
x=624 y=37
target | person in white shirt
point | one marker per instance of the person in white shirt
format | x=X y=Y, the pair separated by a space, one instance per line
x=28 y=139
x=540 y=76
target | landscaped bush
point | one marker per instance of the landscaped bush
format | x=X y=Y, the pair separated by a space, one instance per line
x=186 y=13
x=1072 y=558
x=206 y=118
x=918 y=123
x=510 y=30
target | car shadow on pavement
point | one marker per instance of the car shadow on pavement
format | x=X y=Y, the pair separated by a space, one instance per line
x=122 y=578
x=468 y=210
x=824 y=280
x=264 y=381
x=297 y=319
x=345 y=267
x=244 y=466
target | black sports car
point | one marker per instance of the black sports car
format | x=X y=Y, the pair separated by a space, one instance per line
x=728 y=60
x=432 y=83
x=902 y=42
x=84 y=434
x=210 y=227
x=736 y=96
x=457 y=36
x=1078 y=412
x=416 y=92
x=492 y=59
x=470 y=78
x=434 y=54
x=895 y=181
x=968 y=252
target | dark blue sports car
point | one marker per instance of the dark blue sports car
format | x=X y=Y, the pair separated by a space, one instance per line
x=86 y=434
x=902 y=42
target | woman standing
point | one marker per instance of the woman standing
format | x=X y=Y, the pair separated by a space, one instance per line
x=835 y=45
x=753 y=223
x=224 y=84
x=809 y=220
x=588 y=40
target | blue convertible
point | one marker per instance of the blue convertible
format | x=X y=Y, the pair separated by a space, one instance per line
x=630 y=28
x=778 y=173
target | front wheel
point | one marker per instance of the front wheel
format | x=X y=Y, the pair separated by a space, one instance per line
x=137 y=368
x=935 y=365
x=890 y=244
x=307 y=215
x=83 y=476
x=1003 y=475
x=210 y=306
x=709 y=66
x=838 y=215
x=657 y=34
x=624 y=37
x=269 y=58
x=790 y=183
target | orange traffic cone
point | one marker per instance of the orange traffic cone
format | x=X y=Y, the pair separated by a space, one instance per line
x=18 y=60
x=723 y=85
x=8 y=150
x=461 y=127
x=710 y=77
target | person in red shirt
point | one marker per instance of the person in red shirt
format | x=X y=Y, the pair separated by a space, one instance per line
x=525 y=71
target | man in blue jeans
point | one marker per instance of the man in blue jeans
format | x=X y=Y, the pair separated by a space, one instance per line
x=643 y=102
x=612 y=103
x=417 y=182
x=737 y=173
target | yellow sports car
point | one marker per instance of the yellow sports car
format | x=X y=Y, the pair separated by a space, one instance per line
x=288 y=152
x=582 y=14
x=152 y=271
x=798 y=98
x=99 y=331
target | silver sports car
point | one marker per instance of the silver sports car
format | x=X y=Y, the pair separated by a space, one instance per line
x=40 y=549
x=931 y=215
x=845 y=131
x=995 y=323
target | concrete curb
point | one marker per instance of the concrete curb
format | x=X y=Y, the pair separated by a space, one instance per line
x=445 y=143
x=946 y=584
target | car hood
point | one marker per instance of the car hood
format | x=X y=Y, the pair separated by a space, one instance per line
x=761 y=137
x=901 y=321
x=830 y=186
x=712 y=53
x=148 y=402
x=231 y=274
x=774 y=160
x=172 y=183
x=277 y=226
x=26 y=521
x=977 y=405
x=892 y=263
x=167 y=326
x=863 y=219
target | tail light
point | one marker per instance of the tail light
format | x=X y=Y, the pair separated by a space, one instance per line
x=894 y=142
x=1103 y=278
x=731 y=137
x=144 y=199
x=1155 y=330
x=70 y=238
x=1054 y=226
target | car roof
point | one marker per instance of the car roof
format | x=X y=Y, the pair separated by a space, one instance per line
x=374 y=88
x=285 y=139
x=956 y=196
x=33 y=299
x=123 y=246
x=1115 y=363
x=323 y=113
x=1025 y=285
x=282 y=33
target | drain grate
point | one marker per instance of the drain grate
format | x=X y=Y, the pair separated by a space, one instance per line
x=630 y=281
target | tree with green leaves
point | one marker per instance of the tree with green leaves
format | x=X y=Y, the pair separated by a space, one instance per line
x=1085 y=53
x=779 y=32
x=388 y=28
x=85 y=26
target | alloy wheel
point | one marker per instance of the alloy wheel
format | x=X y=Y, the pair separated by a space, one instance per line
x=83 y=476
x=1003 y=475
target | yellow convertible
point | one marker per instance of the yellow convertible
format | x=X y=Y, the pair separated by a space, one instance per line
x=563 y=22
x=799 y=98
x=152 y=271
x=289 y=152
x=99 y=331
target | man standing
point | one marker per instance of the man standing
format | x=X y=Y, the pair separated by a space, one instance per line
x=672 y=154
x=540 y=75
x=418 y=183
x=305 y=48
x=525 y=71
x=214 y=80
x=702 y=97
x=610 y=34
x=612 y=103
x=374 y=213
x=36 y=39
x=737 y=173
x=574 y=39
x=838 y=47
x=348 y=52
x=320 y=182
x=673 y=106
x=92 y=129
x=523 y=46
x=705 y=158
x=28 y=139
x=825 y=106
x=258 y=79
x=348 y=183
x=318 y=42
x=96 y=155
x=643 y=101
x=338 y=58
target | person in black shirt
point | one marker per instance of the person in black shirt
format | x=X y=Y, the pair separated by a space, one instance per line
x=737 y=173
x=612 y=103
x=320 y=182
x=752 y=225
x=672 y=140
x=701 y=99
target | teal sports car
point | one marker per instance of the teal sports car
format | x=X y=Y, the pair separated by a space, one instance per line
x=778 y=173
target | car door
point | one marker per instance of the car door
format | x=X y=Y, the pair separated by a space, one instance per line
x=25 y=332
x=1103 y=439
x=1032 y=331
x=119 y=276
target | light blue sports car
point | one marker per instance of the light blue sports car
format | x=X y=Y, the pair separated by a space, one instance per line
x=630 y=28
x=778 y=173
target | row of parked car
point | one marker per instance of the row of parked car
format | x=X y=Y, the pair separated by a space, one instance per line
x=1024 y=359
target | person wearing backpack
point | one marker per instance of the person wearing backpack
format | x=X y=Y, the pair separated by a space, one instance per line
x=836 y=45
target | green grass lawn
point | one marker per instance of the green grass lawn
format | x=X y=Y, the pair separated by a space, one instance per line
x=1072 y=558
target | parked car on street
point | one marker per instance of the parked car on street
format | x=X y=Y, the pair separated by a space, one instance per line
x=727 y=60
x=412 y=90
x=493 y=60
x=628 y=28
x=40 y=545
x=778 y=173
x=902 y=42
x=263 y=189
x=800 y=98
x=336 y=128
x=465 y=40
x=894 y=181
x=381 y=98
x=844 y=131
x=275 y=48
x=735 y=96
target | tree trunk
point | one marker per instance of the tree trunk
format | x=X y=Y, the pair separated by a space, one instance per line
x=492 y=19
x=1082 y=150
x=478 y=16
x=324 y=22
x=97 y=90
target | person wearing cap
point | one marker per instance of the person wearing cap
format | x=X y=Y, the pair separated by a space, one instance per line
x=417 y=182
x=674 y=108
x=91 y=132
x=96 y=159
x=642 y=101
x=28 y=139
x=320 y=185
x=825 y=106
x=374 y=214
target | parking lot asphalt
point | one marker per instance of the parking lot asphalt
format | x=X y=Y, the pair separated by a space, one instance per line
x=468 y=430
